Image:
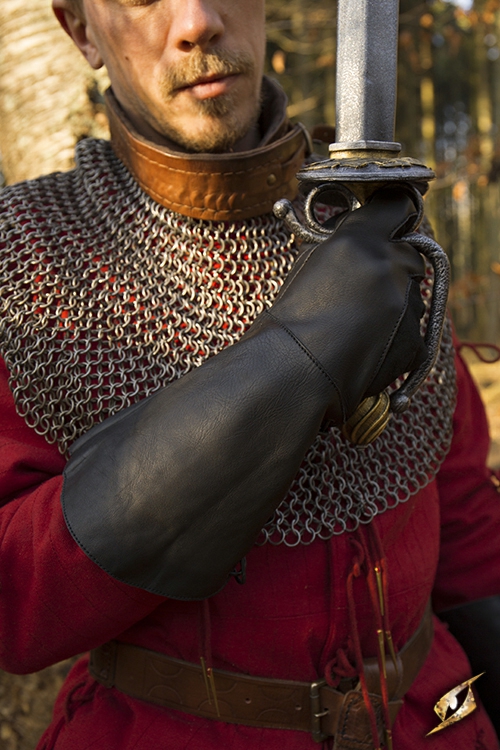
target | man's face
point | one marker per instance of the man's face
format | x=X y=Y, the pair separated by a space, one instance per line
x=189 y=70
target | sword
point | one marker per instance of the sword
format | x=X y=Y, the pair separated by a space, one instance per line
x=363 y=158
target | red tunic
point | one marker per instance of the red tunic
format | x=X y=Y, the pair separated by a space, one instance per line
x=287 y=621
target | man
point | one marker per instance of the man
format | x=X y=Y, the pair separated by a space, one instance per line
x=140 y=292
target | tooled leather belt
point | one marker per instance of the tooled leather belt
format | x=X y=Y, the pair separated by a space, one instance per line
x=259 y=701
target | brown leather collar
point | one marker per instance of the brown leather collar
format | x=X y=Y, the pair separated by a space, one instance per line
x=217 y=187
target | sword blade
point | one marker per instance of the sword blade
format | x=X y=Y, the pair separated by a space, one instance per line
x=367 y=41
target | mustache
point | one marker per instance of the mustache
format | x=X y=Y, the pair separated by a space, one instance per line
x=203 y=64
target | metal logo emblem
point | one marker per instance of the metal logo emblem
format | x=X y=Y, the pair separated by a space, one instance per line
x=450 y=703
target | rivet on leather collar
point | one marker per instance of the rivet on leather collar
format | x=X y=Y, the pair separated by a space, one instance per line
x=216 y=187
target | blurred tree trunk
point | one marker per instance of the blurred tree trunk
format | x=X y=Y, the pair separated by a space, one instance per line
x=49 y=99
x=49 y=96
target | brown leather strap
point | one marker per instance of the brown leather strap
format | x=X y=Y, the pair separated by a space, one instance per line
x=216 y=187
x=259 y=701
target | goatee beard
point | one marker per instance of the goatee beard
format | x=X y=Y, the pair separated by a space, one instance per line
x=228 y=128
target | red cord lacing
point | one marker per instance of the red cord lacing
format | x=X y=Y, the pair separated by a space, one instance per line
x=377 y=586
x=368 y=560
x=477 y=347
x=356 y=572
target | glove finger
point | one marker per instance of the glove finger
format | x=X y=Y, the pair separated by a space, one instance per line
x=390 y=211
x=389 y=214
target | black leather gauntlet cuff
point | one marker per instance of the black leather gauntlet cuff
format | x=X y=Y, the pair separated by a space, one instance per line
x=169 y=494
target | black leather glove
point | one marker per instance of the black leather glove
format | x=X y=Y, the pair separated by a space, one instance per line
x=170 y=494
x=359 y=251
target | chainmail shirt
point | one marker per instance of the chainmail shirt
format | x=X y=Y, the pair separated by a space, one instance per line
x=105 y=296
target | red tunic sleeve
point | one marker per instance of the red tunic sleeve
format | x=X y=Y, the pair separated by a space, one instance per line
x=469 y=562
x=54 y=601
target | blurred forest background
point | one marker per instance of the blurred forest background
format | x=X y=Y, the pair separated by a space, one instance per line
x=448 y=115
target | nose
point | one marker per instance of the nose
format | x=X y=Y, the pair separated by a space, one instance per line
x=196 y=23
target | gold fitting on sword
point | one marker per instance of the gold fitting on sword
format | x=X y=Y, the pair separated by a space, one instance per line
x=388 y=739
x=209 y=679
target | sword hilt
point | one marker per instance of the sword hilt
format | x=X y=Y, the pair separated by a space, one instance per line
x=373 y=414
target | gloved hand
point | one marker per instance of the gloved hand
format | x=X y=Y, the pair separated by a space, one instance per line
x=170 y=494
x=356 y=305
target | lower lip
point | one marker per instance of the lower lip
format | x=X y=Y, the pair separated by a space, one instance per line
x=212 y=89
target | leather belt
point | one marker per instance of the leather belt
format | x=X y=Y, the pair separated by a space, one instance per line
x=259 y=701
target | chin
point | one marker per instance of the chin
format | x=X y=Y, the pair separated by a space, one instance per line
x=212 y=125
x=212 y=142
x=218 y=135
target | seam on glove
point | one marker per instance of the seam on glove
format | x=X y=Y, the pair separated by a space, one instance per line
x=313 y=359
